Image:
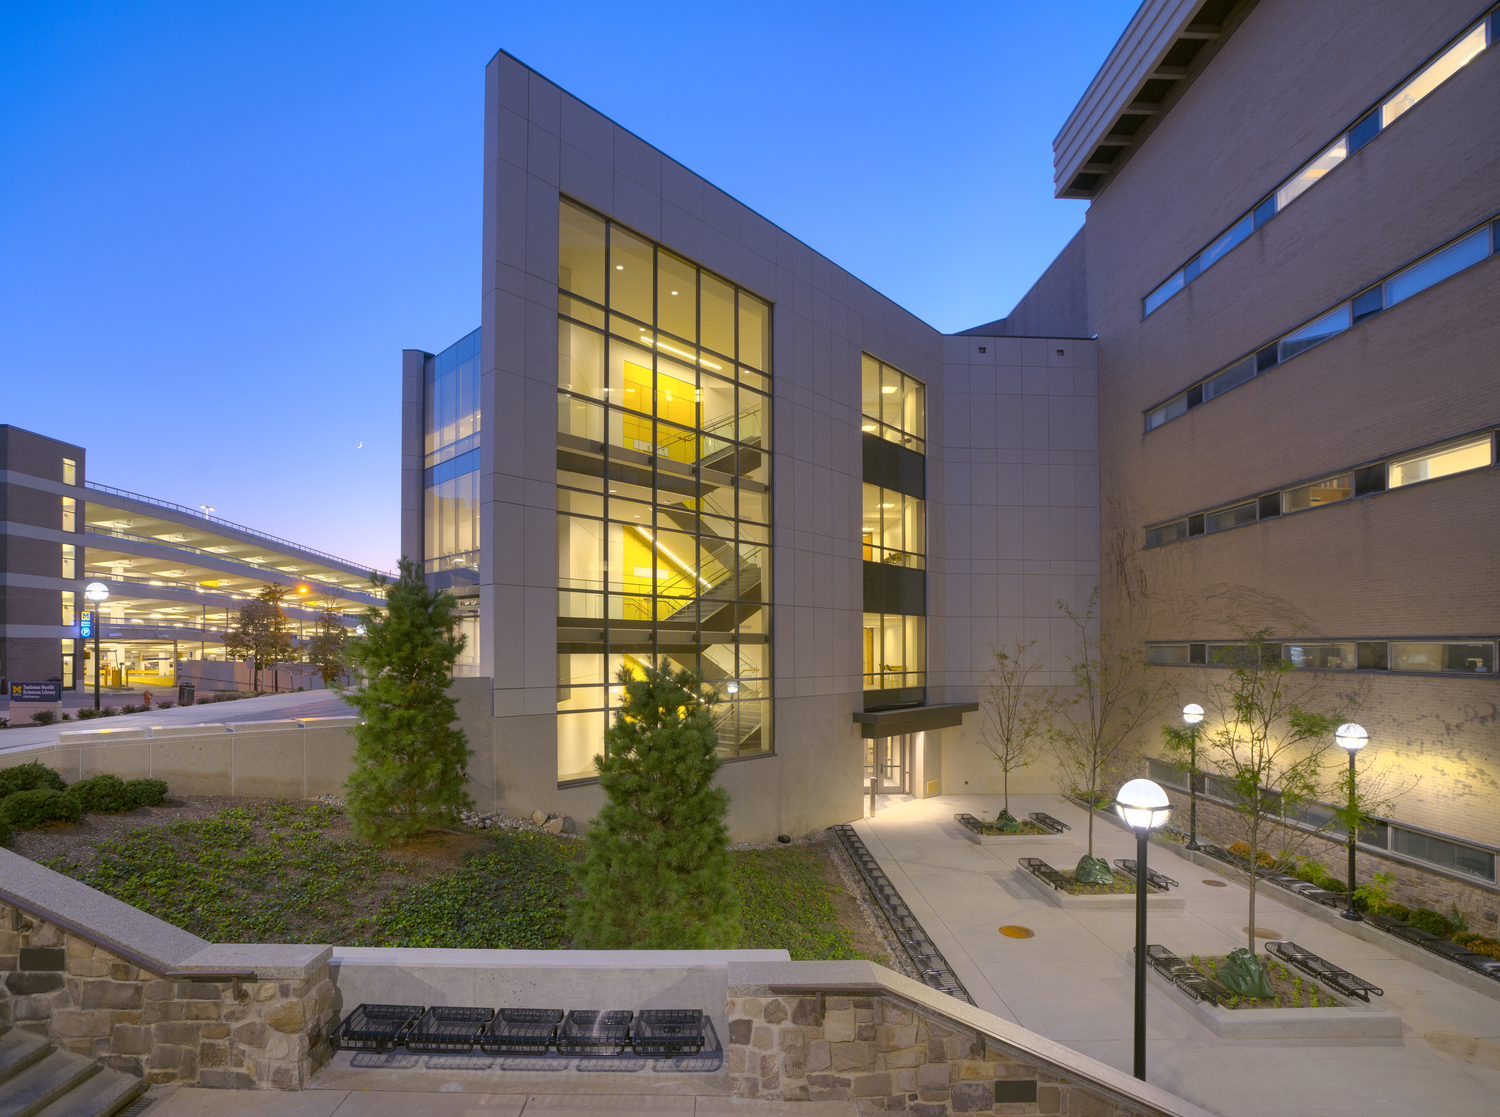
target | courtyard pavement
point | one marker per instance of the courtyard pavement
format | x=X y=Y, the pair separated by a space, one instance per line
x=1073 y=981
x=198 y=1102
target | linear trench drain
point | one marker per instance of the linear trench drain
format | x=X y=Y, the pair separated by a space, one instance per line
x=925 y=957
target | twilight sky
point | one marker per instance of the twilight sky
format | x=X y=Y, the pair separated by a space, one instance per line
x=220 y=224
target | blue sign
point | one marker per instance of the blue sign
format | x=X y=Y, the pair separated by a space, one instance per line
x=36 y=692
x=86 y=624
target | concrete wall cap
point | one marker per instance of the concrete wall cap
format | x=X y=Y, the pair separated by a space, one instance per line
x=867 y=976
x=100 y=736
x=270 y=961
x=266 y=726
x=201 y=730
x=112 y=922
x=551 y=959
x=326 y=723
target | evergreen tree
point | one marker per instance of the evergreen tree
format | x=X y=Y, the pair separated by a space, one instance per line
x=409 y=757
x=656 y=872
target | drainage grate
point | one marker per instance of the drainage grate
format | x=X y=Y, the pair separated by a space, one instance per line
x=925 y=956
x=136 y=1108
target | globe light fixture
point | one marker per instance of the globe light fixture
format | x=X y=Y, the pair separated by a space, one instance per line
x=1351 y=737
x=97 y=593
x=1144 y=806
x=1192 y=714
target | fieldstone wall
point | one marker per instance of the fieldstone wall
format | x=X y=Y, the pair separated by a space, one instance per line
x=244 y=1035
x=891 y=1057
x=1414 y=887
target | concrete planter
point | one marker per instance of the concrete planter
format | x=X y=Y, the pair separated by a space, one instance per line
x=1014 y=839
x=1120 y=901
x=1349 y=1019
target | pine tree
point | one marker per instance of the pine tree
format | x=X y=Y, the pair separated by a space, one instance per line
x=409 y=757
x=656 y=872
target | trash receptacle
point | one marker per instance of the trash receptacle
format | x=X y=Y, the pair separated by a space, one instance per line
x=185 y=694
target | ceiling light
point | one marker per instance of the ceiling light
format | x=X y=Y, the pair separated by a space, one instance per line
x=868 y=427
x=619 y=267
x=889 y=389
x=674 y=292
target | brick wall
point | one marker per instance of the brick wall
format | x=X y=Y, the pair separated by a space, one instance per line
x=244 y=1035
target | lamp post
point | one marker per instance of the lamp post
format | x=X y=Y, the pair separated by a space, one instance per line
x=1352 y=738
x=1192 y=714
x=97 y=594
x=1144 y=806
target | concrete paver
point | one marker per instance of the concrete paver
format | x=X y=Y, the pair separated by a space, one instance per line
x=1073 y=981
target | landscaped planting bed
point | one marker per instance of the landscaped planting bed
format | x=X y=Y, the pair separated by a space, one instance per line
x=1292 y=989
x=255 y=870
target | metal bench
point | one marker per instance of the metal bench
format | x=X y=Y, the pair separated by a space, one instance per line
x=1303 y=888
x=1155 y=879
x=445 y=1030
x=666 y=1032
x=378 y=1028
x=969 y=822
x=1043 y=871
x=1046 y=821
x=594 y=1032
x=1186 y=976
x=1336 y=977
x=521 y=1031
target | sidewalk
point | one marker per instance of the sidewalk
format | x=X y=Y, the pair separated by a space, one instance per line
x=1073 y=982
x=195 y=1102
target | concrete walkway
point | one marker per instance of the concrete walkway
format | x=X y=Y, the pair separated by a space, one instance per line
x=1073 y=981
x=269 y=707
x=196 y=1102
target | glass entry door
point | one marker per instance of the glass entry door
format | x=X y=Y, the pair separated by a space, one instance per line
x=888 y=762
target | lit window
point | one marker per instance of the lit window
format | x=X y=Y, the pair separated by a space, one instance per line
x=1457 y=457
x=1169 y=410
x=1437 y=267
x=69 y=608
x=1443 y=67
x=70 y=472
x=1327 y=491
x=1331 y=156
x=1164 y=292
x=1230 y=517
x=1334 y=322
x=1471 y=659
x=1325 y=657
x=69 y=514
x=893 y=404
x=1167 y=655
x=69 y=560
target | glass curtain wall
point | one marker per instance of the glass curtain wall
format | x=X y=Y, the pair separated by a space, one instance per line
x=451 y=479
x=894 y=534
x=663 y=473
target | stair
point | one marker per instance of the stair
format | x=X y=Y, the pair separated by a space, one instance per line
x=39 y=1080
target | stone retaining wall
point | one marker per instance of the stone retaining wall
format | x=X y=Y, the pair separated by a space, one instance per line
x=891 y=1055
x=243 y=1034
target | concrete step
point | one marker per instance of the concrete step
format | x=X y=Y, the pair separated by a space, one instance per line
x=19 y=1049
x=103 y=1095
x=28 y=1093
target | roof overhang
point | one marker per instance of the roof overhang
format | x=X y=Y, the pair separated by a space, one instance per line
x=1162 y=47
x=912 y=719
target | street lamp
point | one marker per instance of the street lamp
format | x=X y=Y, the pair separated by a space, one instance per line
x=1351 y=737
x=98 y=594
x=1192 y=713
x=1144 y=806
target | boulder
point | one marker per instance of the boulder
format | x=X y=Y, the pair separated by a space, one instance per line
x=560 y=825
x=540 y=818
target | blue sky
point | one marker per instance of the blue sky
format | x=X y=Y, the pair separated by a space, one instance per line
x=220 y=224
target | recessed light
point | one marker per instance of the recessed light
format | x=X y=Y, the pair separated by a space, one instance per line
x=674 y=292
x=619 y=267
x=888 y=389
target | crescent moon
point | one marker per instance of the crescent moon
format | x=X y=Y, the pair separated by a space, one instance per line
x=361 y=446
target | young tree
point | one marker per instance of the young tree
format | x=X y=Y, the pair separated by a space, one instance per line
x=1114 y=694
x=328 y=649
x=1270 y=729
x=656 y=872
x=1012 y=713
x=409 y=757
x=262 y=631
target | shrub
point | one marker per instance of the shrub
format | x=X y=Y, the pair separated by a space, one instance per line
x=132 y=709
x=105 y=793
x=29 y=777
x=1479 y=944
x=43 y=717
x=1393 y=910
x=165 y=705
x=25 y=810
x=88 y=713
x=147 y=793
x=1434 y=923
x=5 y=834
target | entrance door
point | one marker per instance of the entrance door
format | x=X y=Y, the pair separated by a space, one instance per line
x=891 y=758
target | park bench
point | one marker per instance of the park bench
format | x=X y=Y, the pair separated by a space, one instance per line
x=1043 y=819
x=969 y=822
x=521 y=1031
x=1335 y=977
x=594 y=1032
x=377 y=1028
x=665 y=1032
x=1043 y=871
x=1155 y=879
x=1186 y=976
x=1303 y=888
x=445 y=1030
x=1469 y=959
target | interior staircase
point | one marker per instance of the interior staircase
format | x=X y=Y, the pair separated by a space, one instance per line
x=38 y=1079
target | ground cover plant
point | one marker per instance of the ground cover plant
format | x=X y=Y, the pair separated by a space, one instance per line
x=1290 y=988
x=1119 y=882
x=1007 y=823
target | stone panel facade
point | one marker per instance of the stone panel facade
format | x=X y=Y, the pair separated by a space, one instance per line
x=887 y=1055
x=237 y=1034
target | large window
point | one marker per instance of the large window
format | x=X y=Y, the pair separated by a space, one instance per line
x=663 y=474
x=1474 y=656
x=1371 y=123
x=451 y=475
x=69 y=561
x=894 y=405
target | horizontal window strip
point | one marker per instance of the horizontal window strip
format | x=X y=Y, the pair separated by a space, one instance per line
x=1407 y=655
x=1431 y=848
x=1447 y=61
x=1470 y=247
x=1465 y=454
